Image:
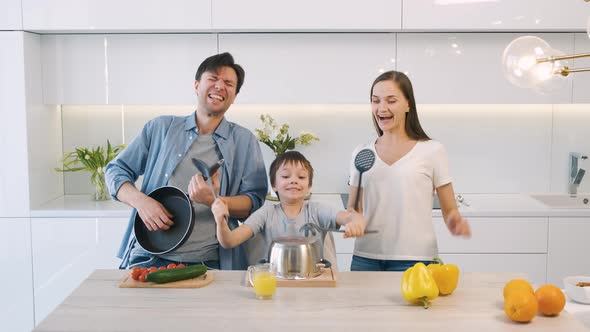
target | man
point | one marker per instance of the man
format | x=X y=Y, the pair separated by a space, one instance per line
x=163 y=153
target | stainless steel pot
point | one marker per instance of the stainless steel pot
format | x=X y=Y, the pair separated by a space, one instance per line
x=298 y=257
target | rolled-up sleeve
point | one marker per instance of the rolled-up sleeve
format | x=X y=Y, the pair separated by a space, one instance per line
x=130 y=163
x=254 y=183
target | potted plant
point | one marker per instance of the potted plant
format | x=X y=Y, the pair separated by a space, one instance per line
x=94 y=161
x=278 y=139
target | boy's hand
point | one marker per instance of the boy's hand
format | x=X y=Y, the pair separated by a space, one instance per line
x=356 y=227
x=219 y=209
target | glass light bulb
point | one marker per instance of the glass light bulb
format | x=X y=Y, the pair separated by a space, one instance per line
x=548 y=75
x=521 y=68
x=519 y=60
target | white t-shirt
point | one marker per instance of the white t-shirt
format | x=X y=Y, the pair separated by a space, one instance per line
x=397 y=201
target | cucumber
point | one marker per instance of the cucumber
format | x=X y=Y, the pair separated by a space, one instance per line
x=170 y=275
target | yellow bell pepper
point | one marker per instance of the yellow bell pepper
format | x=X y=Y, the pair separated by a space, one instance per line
x=418 y=286
x=445 y=275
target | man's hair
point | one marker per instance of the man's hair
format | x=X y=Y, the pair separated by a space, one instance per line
x=217 y=61
x=289 y=157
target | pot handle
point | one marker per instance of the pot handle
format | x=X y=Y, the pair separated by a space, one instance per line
x=324 y=263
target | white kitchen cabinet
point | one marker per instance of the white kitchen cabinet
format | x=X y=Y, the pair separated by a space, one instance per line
x=123 y=69
x=533 y=265
x=16 y=302
x=568 y=249
x=10 y=15
x=66 y=251
x=14 y=184
x=499 y=15
x=344 y=261
x=498 y=245
x=75 y=69
x=495 y=236
x=116 y=16
x=581 y=80
x=344 y=249
x=305 y=15
x=466 y=68
x=309 y=68
x=156 y=68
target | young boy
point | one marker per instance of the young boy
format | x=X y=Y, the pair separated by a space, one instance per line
x=291 y=178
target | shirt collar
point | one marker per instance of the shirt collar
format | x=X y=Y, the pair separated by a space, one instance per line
x=190 y=123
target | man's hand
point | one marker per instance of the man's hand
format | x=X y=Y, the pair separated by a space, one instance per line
x=200 y=191
x=153 y=214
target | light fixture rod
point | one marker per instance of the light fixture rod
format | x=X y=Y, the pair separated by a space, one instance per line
x=564 y=71
x=563 y=57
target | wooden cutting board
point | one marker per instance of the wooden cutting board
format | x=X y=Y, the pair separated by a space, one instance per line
x=202 y=281
x=326 y=279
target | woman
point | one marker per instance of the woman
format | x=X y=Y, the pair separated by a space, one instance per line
x=397 y=193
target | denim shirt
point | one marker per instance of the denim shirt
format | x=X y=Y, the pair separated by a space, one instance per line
x=161 y=145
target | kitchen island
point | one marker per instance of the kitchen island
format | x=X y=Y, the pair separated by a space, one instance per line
x=362 y=301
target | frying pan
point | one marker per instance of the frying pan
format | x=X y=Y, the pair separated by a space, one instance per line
x=178 y=203
x=164 y=241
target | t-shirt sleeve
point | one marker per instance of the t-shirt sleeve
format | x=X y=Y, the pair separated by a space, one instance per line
x=257 y=220
x=353 y=177
x=326 y=216
x=441 y=174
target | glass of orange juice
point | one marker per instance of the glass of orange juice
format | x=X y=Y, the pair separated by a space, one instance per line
x=263 y=278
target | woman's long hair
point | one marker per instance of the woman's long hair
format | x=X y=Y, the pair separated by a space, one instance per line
x=412 y=125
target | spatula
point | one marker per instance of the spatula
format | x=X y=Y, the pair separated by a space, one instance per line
x=363 y=162
x=206 y=172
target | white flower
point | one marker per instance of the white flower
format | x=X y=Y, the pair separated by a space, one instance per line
x=87 y=157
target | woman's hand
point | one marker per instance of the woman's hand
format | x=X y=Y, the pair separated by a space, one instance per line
x=458 y=225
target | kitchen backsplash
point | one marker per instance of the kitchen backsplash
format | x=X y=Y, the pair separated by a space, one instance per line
x=493 y=148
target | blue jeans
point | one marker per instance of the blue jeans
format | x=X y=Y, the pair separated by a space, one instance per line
x=368 y=264
x=149 y=261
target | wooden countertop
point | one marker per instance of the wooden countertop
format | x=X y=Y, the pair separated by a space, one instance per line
x=362 y=301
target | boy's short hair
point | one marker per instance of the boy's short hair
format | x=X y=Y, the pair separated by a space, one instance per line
x=290 y=157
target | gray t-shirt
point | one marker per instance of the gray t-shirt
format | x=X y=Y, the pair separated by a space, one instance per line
x=270 y=221
x=202 y=244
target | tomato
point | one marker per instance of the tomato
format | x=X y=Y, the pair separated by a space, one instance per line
x=142 y=277
x=171 y=266
x=180 y=265
x=152 y=269
x=135 y=274
x=162 y=268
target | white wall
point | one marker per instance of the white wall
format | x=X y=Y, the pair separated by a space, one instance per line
x=492 y=148
x=44 y=133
